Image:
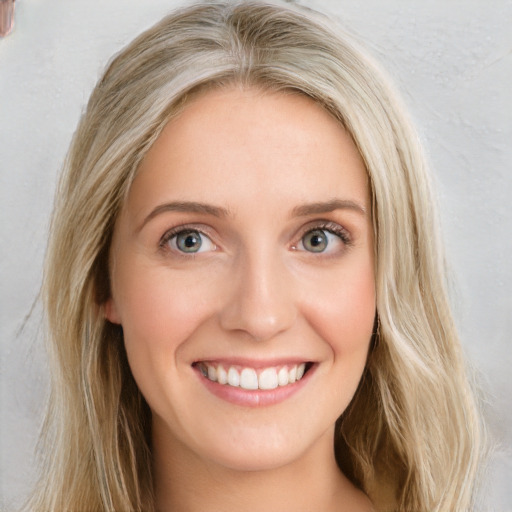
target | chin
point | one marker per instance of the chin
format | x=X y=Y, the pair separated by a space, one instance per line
x=256 y=458
x=262 y=447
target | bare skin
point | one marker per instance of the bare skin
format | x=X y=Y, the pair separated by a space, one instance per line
x=246 y=244
x=200 y=486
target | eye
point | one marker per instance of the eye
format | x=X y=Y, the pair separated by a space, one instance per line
x=324 y=240
x=315 y=241
x=188 y=241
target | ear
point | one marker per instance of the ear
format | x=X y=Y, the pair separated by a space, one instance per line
x=111 y=313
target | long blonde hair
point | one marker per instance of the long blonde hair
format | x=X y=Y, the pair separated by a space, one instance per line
x=411 y=437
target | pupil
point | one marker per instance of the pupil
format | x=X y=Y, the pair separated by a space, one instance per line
x=316 y=240
x=190 y=241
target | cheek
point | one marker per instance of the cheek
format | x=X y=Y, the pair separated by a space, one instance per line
x=159 y=310
x=342 y=310
x=340 y=306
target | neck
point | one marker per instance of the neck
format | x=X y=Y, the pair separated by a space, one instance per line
x=184 y=482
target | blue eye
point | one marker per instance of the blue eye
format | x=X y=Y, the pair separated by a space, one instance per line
x=320 y=240
x=315 y=241
x=190 y=241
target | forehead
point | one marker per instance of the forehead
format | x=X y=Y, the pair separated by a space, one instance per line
x=232 y=145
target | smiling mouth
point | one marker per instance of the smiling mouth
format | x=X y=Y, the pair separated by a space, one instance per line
x=253 y=379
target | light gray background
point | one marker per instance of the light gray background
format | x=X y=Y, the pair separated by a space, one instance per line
x=451 y=59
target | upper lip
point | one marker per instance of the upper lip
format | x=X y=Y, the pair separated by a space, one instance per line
x=252 y=363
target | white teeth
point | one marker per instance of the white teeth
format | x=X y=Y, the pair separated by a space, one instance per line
x=212 y=373
x=268 y=379
x=282 y=376
x=233 y=377
x=222 y=375
x=251 y=379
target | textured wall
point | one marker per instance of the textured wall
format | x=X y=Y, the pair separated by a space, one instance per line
x=452 y=61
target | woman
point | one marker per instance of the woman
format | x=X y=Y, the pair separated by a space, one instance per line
x=244 y=270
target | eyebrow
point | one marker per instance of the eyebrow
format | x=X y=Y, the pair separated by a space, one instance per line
x=328 y=206
x=186 y=207
x=219 y=211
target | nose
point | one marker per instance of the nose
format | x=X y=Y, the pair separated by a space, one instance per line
x=261 y=300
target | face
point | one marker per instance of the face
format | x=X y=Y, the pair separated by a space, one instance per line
x=243 y=277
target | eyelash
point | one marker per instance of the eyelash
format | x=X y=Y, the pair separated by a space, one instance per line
x=330 y=227
x=328 y=240
x=169 y=235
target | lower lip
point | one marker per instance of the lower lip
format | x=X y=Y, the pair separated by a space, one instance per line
x=256 y=397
